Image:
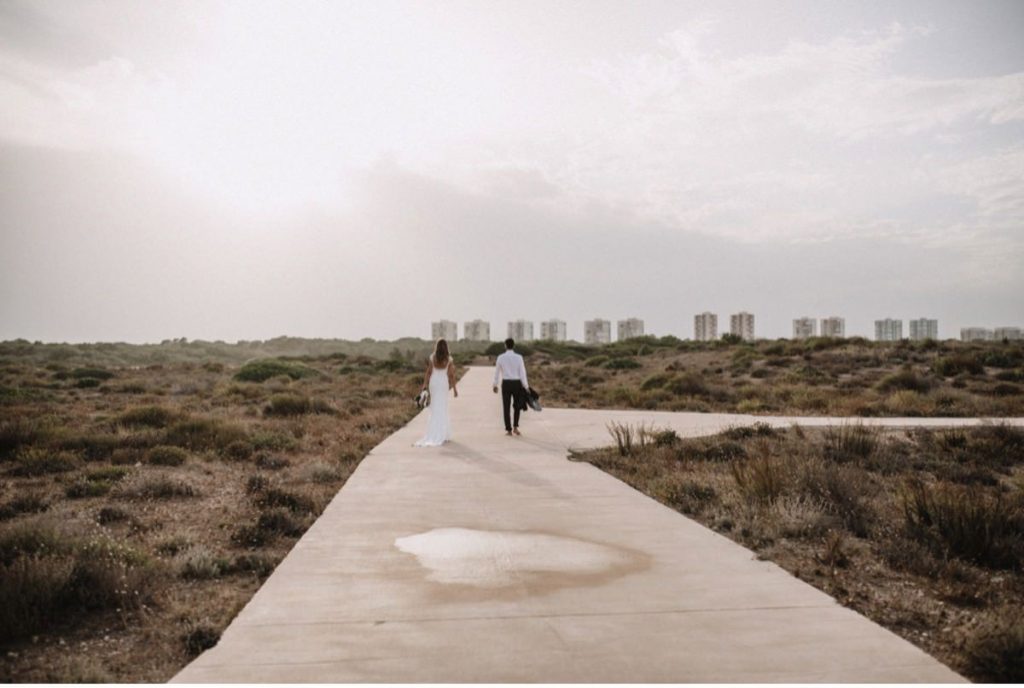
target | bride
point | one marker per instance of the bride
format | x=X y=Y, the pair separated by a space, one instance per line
x=439 y=378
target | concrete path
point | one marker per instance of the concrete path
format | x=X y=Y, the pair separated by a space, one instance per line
x=494 y=559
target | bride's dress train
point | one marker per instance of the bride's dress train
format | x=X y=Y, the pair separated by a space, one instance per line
x=439 y=429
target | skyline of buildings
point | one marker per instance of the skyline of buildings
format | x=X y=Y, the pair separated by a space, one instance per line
x=833 y=326
x=446 y=329
x=553 y=330
x=888 y=330
x=742 y=324
x=629 y=328
x=597 y=331
x=705 y=326
x=924 y=328
x=521 y=330
x=804 y=328
x=477 y=331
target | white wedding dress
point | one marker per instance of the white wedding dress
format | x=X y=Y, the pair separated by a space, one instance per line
x=439 y=429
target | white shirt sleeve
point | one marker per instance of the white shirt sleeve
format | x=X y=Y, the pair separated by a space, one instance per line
x=522 y=372
x=497 y=370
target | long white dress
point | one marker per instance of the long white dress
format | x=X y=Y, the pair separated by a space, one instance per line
x=439 y=429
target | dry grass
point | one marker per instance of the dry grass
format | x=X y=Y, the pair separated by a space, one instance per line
x=922 y=531
x=814 y=377
x=169 y=481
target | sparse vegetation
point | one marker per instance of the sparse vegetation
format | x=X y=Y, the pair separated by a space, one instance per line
x=921 y=530
x=833 y=377
x=155 y=465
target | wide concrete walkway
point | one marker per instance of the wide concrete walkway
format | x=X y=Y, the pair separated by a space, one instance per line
x=494 y=559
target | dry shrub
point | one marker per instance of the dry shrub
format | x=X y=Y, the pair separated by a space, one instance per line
x=28 y=503
x=47 y=578
x=293 y=501
x=996 y=652
x=21 y=432
x=965 y=522
x=90 y=446
x=159 y=487
x=851 y=442
x=147 y=417
x=166 y=456
x=200 y=563
x=200 y=639
x=36 y=461
x=624 y=436
x=794 y=516
x=760 y=479
x=844 y=491
x=203 y=434
x=288 y=405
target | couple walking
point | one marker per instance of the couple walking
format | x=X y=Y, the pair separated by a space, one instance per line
x=510 y=370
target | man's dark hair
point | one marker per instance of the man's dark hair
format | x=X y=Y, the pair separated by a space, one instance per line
x=509 y=343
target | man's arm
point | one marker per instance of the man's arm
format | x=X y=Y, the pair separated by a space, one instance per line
x=522 y=372
x=497 y=372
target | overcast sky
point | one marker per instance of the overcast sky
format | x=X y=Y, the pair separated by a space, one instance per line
x=242 y=170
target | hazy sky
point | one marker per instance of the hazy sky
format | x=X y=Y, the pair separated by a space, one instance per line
x=242 y=170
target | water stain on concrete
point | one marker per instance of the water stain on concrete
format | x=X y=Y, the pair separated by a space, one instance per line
x=496 y=561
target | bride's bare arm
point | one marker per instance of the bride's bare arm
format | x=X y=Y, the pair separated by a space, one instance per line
x=426 y=376
x=451 y=377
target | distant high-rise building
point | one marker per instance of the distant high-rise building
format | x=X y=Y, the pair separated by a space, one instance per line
x=597 y=331
x=833 y=327
x=888 y=330
x=805 y=327
x=742 y=325
x=553 y=330
x=477 y=331
x=1009 y=333
x=923 y=328
x=444 y=329
x=976 y=334
x=629 y=328
x=520 y=330
x=705 y=327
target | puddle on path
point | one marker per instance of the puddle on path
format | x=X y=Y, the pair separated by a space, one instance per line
x=494 y=559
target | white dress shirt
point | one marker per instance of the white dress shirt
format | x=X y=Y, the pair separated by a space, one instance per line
x=510 y=366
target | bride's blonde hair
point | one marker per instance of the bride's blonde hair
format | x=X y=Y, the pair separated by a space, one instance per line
x=441 y=354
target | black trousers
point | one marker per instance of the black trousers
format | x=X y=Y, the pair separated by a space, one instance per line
x=509 y=388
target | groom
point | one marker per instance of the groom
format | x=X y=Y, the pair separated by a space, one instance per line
x=512 y=371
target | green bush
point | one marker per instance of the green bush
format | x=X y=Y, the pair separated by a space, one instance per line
x=260 y=371
x=596 y=361
x=91 y=374
x=166 y=456
x=655 y=382
x=88 y=383
x=622 y=364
